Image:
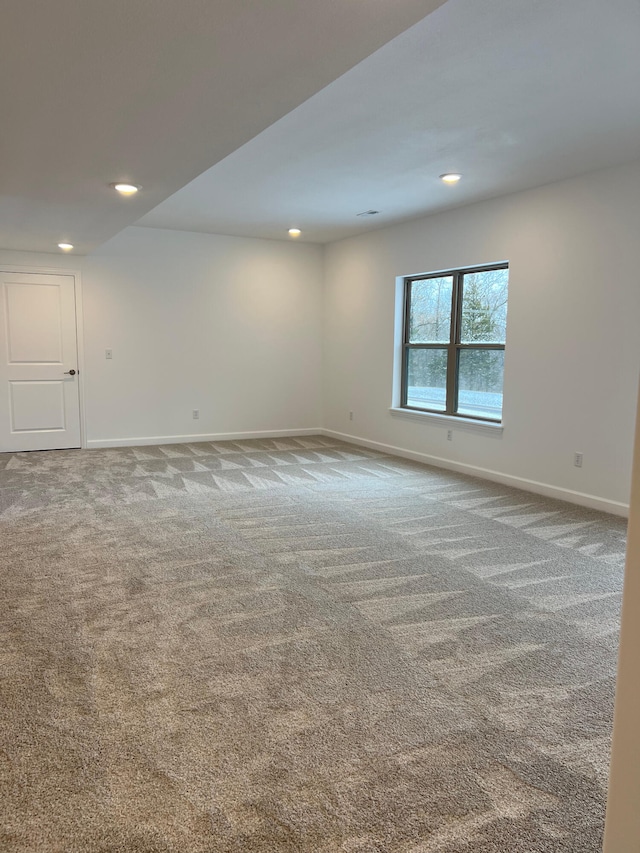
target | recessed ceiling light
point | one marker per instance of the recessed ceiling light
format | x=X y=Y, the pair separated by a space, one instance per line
x=368 y=213
x=125 y=189
x=450 y=177
x=66 y=247
x=294 y=232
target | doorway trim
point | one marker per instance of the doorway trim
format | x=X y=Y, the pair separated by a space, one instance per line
x=77 y=277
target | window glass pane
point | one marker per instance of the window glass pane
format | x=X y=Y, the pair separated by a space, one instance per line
x=430 y=311
x=484 y=307
x=427 y=379
x=480 y=373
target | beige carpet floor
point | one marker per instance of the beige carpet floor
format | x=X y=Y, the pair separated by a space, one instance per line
x=299 y=645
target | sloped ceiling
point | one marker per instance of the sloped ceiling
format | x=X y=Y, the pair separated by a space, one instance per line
x=154 y=92
x=512 y=93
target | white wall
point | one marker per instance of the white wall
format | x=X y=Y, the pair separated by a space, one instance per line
x=32 y=260
x=573 y=346
x=227 y=325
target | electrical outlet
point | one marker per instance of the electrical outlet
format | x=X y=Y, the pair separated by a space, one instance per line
x=577 y=460
x=108 y=353
x=350 y=416
x=449 y=435
x=196 y=414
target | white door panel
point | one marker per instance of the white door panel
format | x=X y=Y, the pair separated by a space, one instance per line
x=37 y=406
x=39 y=400
x=34 y=335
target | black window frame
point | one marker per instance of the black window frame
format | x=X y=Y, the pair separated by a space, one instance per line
x=454 y=347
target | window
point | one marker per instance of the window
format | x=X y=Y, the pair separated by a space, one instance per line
x=453 y=345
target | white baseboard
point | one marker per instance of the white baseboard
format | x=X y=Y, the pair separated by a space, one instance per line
x=580 y=498
x=94 y=444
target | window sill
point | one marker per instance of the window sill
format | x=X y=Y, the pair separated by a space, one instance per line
x=448 y=421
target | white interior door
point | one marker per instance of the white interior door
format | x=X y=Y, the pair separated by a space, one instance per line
x=39 y=399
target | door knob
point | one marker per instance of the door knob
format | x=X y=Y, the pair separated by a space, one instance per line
x=70 y=372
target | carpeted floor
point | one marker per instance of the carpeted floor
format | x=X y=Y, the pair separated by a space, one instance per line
x=299 y=645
